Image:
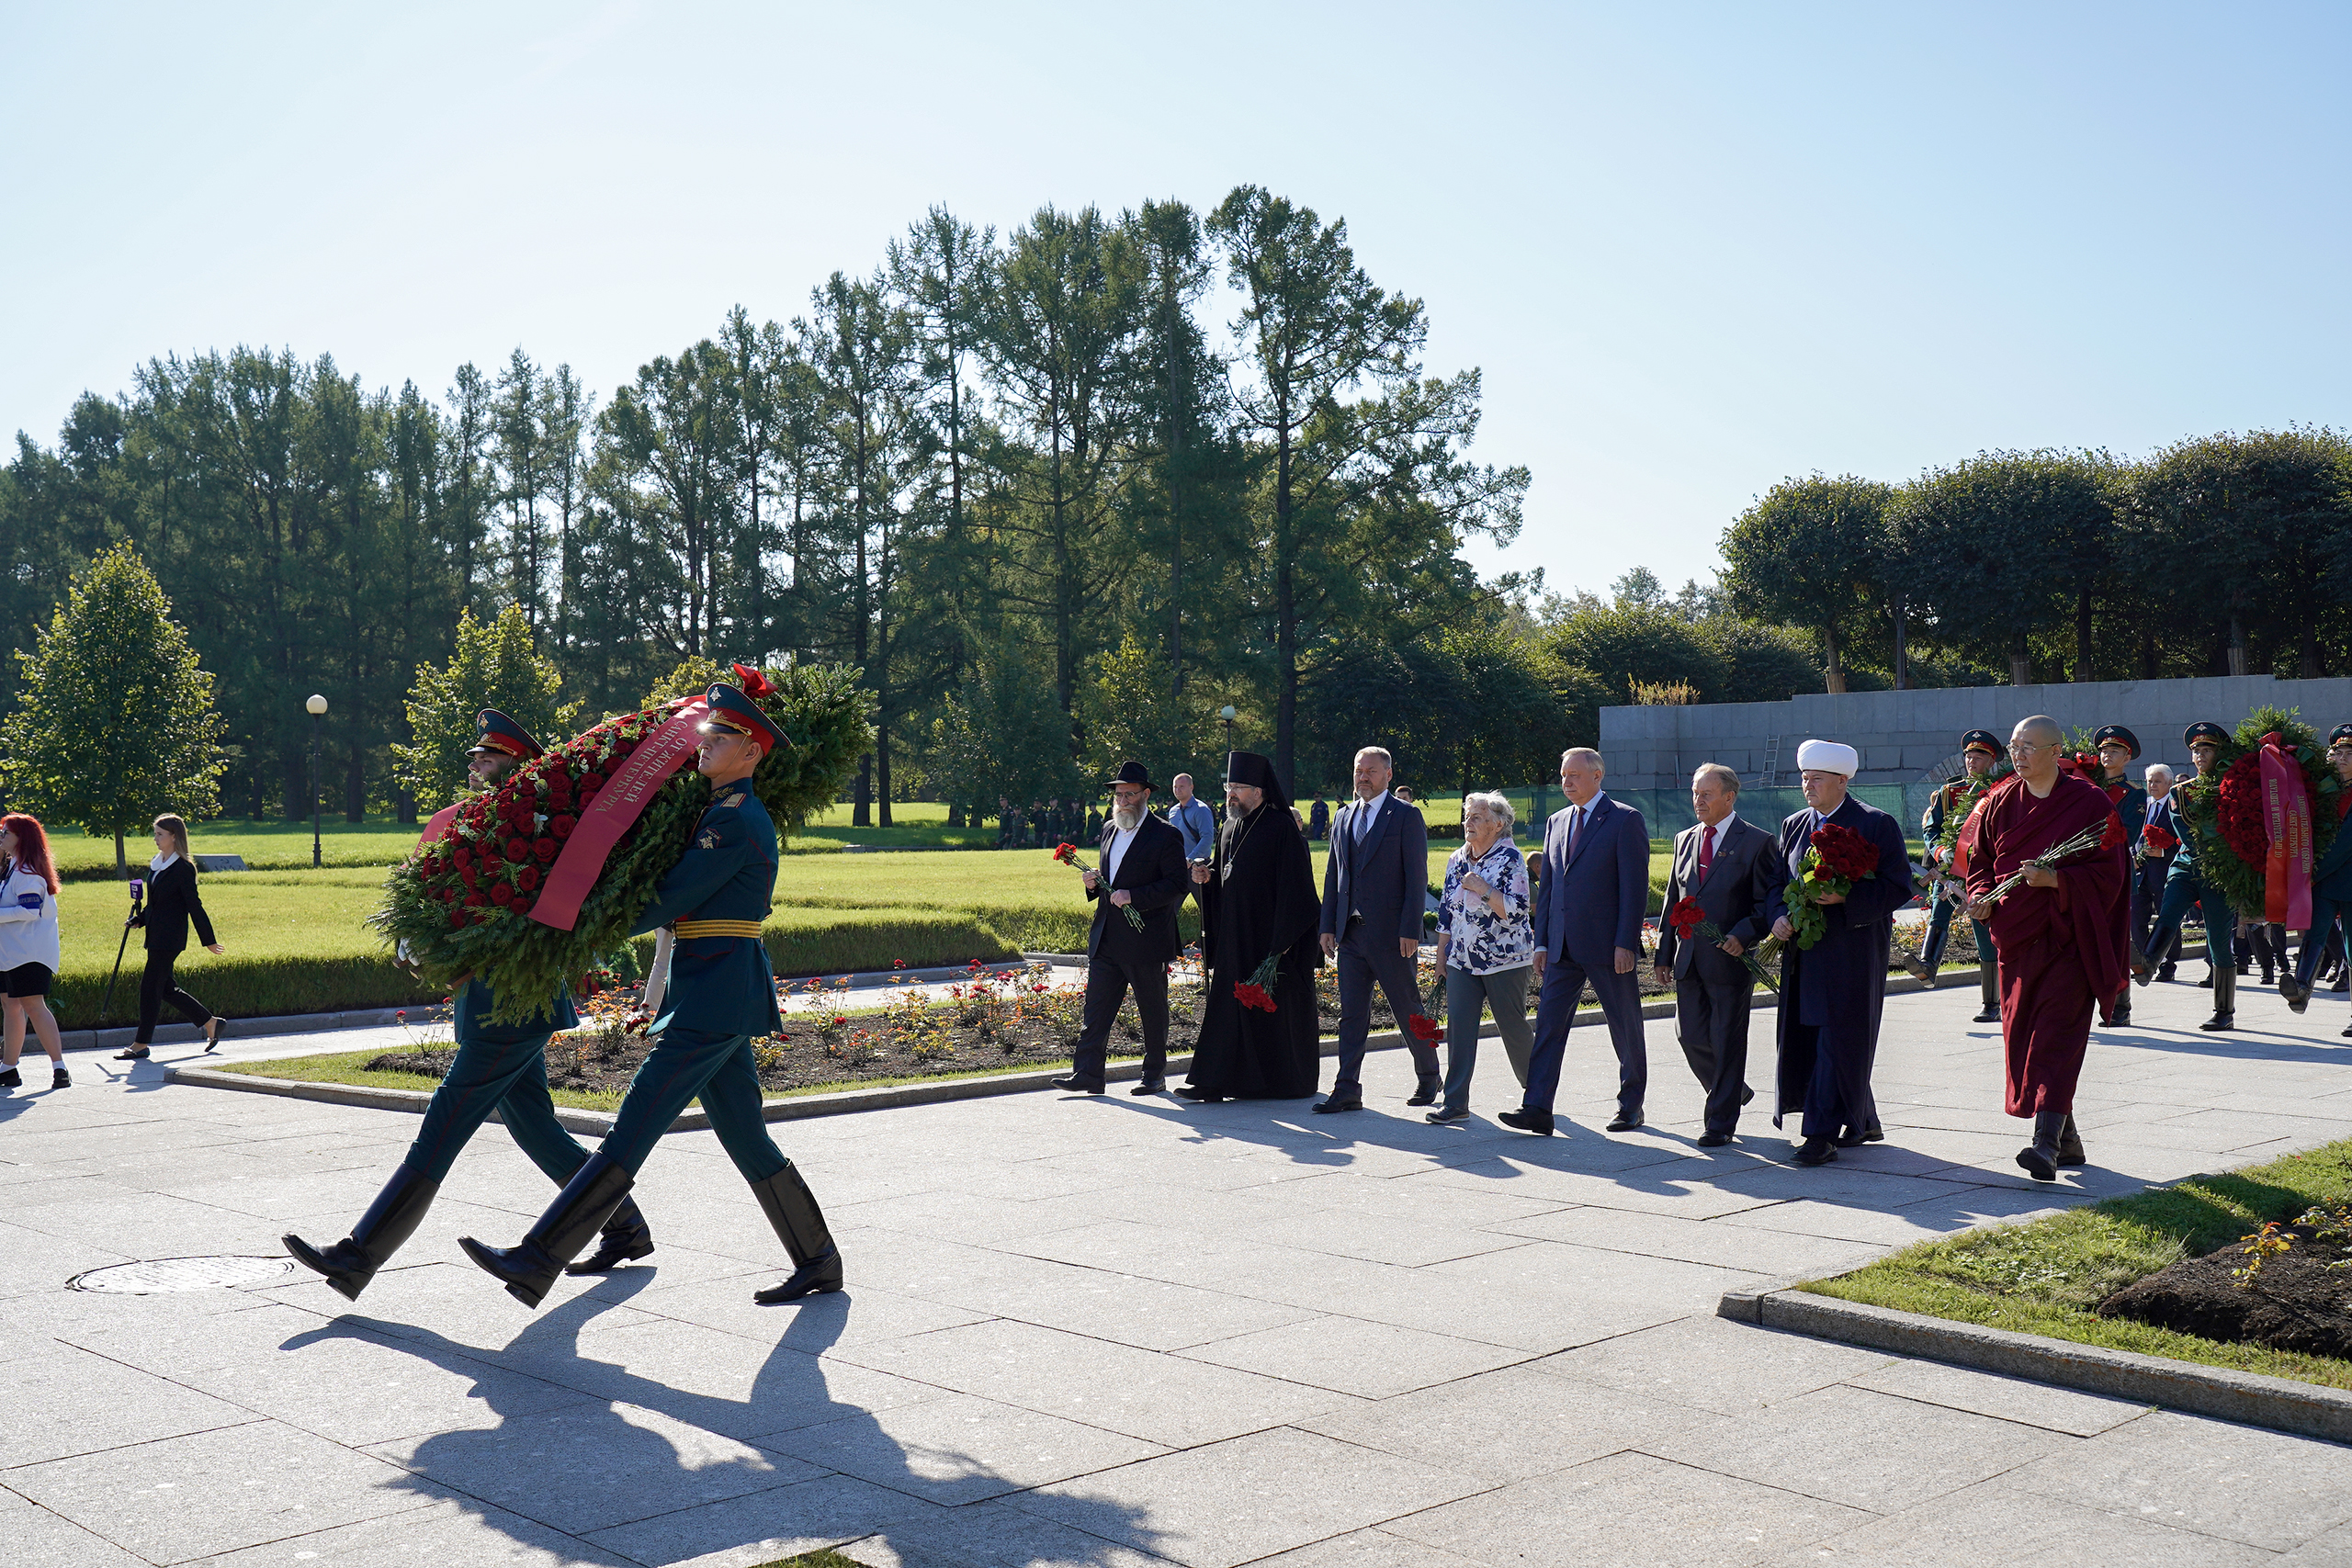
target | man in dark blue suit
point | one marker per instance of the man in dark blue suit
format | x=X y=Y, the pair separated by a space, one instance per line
x=1375 y=887
x=1589 y=907
x=1831 y=993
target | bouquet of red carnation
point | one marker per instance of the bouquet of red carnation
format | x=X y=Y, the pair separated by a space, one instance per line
x=1835 y=859
x=1068 y=855
x=1425 y=1028
x=1691 y=921
x=2155 y=843
x=461 y=903
x=1257 y=990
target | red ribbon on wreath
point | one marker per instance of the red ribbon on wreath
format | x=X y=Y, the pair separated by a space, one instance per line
x=2286 y=816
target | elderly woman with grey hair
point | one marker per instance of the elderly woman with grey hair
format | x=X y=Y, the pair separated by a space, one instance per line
x=1486 y=947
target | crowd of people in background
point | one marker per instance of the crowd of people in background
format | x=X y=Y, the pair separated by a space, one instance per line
x=2063 y=924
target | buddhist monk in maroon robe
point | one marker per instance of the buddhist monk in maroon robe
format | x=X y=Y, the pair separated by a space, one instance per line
x=2056 y=935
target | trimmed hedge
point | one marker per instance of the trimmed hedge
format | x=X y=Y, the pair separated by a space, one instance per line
x=241 y=987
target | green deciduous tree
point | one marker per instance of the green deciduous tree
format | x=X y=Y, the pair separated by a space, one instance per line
x=1811 y=553
x=496 y=665
x=114 y=723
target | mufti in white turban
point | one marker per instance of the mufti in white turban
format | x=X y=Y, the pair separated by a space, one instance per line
x=1828 y=757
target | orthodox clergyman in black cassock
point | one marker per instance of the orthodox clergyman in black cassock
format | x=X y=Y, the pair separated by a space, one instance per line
x=1258 y=900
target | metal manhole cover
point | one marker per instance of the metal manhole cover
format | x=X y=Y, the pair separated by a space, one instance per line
x=180 y=1274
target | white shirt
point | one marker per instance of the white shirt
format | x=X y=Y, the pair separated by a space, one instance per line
x=1120 y=838
x=1367 y=813
x=27 y=920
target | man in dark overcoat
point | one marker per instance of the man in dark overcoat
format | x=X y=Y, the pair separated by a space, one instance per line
x=1831 y=993
x=1141 y=868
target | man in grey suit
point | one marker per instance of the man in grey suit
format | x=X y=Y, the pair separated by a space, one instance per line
x=1733 y=868
x=1375 y=887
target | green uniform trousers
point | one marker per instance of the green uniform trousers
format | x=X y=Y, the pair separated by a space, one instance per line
x=512 y=1079
x=689 y=1065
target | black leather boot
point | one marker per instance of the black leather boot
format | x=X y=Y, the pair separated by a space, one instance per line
x=2297 y=995
x=2070 y=1144
x=800 y=1225
x=1988 y=987
x=2040 y=1157
x=2120 y=1015
x=529 y=1267
x=390 y=1220
x=2225 y=1002
x=625 y=1238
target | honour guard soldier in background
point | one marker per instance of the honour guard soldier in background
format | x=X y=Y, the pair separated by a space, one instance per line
x=498 y=1067
x=722 y=996
x=1980 y=752
x=2184 y=888
x=2331 y=882
x=2118 y=749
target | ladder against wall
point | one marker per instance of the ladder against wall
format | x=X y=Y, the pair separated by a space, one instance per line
x=1772 y=761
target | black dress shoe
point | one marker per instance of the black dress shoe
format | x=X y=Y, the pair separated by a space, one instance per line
x=1713 y=1140
x=1326 y=1107
x=1150 y=1085
x=1990 y=1015
x=1814 y=1151
x=11 y=1079
x=1850 y=1139
x=1442 y=1117
x=1536 y=1121
x=1426 y=1096
x=2165 y=973
x=1205 y=1095
x=1626 y=1122
x=131 y=1054
x=1073 y=1083
x=1745 y=1094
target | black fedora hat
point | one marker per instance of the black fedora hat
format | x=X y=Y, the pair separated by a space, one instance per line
x=1132 y=772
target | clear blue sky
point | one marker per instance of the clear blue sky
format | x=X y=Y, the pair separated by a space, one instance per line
x=1695 y=248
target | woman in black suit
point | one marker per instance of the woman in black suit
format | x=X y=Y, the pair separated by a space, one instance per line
x=171 y=903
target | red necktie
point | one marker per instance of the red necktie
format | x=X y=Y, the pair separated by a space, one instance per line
x=1706 y=852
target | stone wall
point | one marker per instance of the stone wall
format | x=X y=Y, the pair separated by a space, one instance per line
x=1908 y=736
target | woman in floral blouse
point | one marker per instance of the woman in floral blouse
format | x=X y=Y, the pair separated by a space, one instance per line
x=1484 y=947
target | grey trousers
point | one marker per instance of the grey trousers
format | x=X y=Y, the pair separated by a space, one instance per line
x=1711 y=1024
x=1468 y=997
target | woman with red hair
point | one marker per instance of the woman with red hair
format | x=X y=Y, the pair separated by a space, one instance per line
x=28 y=946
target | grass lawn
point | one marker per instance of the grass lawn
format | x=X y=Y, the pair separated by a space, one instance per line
x=276 y=846
x=2048 y=1276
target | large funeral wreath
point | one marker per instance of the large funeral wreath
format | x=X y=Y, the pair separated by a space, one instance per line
x=2222 y=812
x=460 y=904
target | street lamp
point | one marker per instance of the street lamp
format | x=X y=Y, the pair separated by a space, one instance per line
x=318 y=707
x=1228 y=714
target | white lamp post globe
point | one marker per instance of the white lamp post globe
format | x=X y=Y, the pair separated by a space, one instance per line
x=316 y=705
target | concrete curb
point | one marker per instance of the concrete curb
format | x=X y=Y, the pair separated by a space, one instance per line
x=2249 y=1398
x=796 y=1108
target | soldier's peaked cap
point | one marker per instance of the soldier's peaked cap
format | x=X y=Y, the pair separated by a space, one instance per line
x=500 y=733
x=732 y=713
x=2341 y=732
x=2108 y=732
x=1981 y=741
x=2203 y=731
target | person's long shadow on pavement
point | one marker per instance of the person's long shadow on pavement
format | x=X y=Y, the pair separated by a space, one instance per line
x=583 y=1466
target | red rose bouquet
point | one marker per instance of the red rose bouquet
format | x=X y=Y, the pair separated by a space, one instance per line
x=1689 y=921
x=2155 y=843
x=460 y=904
x=1068 y=855
x=1834 y=859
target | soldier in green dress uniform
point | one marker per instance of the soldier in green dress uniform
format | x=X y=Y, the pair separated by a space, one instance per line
x=1980 y=751
x=2184 y=888
x=2331 y=882
x=722 y=996
x=2118 y=749
x=498 y=1067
